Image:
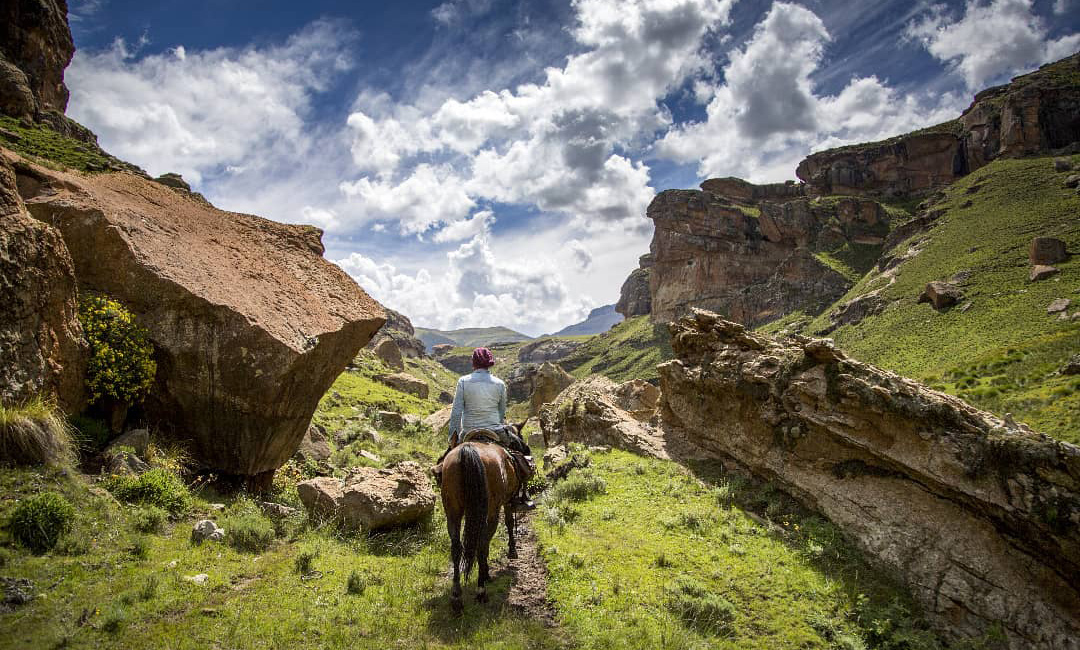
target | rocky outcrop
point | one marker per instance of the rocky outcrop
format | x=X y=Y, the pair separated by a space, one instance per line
x=314 y=447
x=550 y=380
x=406 y=383
x=637 y=397
x=748 y=193
x=42 y=350
x=35 y=48
x=711 y=253
x=634 y=296
x=250 y=324
x=390 y=354
x=980 y=516
x=371 y=498
x=1037 y=112
x=399 y=329
x=1047 y=250
x=547 y=349
x=941 y=295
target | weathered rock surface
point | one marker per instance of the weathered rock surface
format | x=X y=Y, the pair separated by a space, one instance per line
x=399 y=329
x=1060 y=305
x=941 y=295
x=710 y=253
x=1047 y=250
x=980 y=516
x=637 y=397
x=406 y=383
x=550 y=380
x=250 y=324
x=205 y=530
x=1034 y=113
x=439 y=421
x=634 y=297
x=35 y=48
x=371 y=498
x=547 y=349
x=1041 y=272
x=42 y=350
x=314 y=446
x=856 y=309
x=390 y=354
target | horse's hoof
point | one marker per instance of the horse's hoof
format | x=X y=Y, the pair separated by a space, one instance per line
x=482 y=597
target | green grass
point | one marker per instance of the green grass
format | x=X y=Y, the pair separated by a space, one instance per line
x=35 y=432
x=629 y=350
x=46 y=145
x=662 y=558
x=1004 y=352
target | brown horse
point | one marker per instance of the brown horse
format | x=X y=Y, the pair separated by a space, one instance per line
x=478 y=480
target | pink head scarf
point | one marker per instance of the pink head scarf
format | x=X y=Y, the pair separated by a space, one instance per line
x=482 y=358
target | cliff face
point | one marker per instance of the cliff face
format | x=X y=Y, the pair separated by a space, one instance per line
x=1036 y=112
x=980 y=516
x=250 y=324
x=711 y=252
x=35 y=47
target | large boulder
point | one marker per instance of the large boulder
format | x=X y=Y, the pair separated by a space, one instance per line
x=390 y=354
x=634 y=298
x=546 y=349
x=550 y=380
x=370 y=498
x=35 y=48
x=406 y=383
x=42 y=350
x=941 y=295
x=398 y=329
x=637 y=397
x=314 y=447
x=1047 y=251
x=979 y=515
x=439 y=421
x=250 y=325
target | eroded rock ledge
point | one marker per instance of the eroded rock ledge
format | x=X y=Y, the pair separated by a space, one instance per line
x=980 y=516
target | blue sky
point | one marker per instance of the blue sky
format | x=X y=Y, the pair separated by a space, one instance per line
x=476 y=162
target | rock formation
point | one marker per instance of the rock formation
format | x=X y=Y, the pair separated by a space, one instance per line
x=406 y=383
x=711 y=252
x=980 y=516
x=390 y=354
x=250 y=324
x=546 y=349
x=42 y=350
x=1036 y=112
x=35 y=48
x=634 y=297
x=399 y=329
x=371 y=498
x=550 y=380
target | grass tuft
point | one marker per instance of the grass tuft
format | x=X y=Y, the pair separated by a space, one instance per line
x=35 y=433
x=39 y=521
x=158 y=487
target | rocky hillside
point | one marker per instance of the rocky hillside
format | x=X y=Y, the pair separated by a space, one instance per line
x=469 y=336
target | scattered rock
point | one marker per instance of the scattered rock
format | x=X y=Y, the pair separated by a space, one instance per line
x=206 y=529
x=547 y=350
x=17 y=592
x=445 y=397
x=966 y=306
x=314 y=447
x=390 y=420
x=857 y=309
x=441 y=349
x=562 y=469
x=1047 y=250
x=406 y=383
x=550 y=380
x=173 y=180
x=941 y=295
x=1062 y=165
x=216 y=507
x=123 y=461
x=199 y=579
x=554 y=455
x=390 y=354
x=371 y=498
x=137 y=439
x=373 y=457
x=439 y=421
x=1058 y=306
x=276 y=510
x=1073 y=366
x=1041 y=272
x=1072 y=181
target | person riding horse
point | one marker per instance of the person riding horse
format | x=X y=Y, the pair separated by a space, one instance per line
x=480 y=404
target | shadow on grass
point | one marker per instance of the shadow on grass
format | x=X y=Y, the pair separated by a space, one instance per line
x=476 y=616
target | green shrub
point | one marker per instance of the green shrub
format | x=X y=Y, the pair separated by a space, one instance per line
x=34 y=433
x=149 y=588
x=121 y=366
x=704 y=611
x=579 y=487
x=40 y=521
x=149 y=519
x=249 y=531
x=158 y=487
x=304 y=561
x=356 y=584
x=140 y=549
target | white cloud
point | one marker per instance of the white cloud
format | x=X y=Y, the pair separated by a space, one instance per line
x=430 y=195
x=765 y=117
x=1061 y=7
x=990 y=42
x=478 y=224
x=581 y=255
x=198 y=112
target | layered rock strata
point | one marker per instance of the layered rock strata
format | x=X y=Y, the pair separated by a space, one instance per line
x=42 y=351
x=250 y=324
x=711 y=253
x=980 y=516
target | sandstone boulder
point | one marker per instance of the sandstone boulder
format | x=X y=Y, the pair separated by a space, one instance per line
x=953 y=499
x=250 y=325
x=520 y=382
x=406 y=383
x=634 y=298
x=439 y=421
x=314 y=447
x=371 y=498
x=390 y=354
x=548 y=349
x=1059 y=306
x=550 y=381
x=637 y=397
x=1047 y=250
x=1041 y=272
x=42 y=350
x=399 y=329
x=391 y=420
x=941 y=295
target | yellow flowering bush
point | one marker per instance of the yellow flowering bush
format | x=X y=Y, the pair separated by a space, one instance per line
x=121 y=366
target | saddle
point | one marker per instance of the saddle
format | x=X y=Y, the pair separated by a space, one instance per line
x=523 y=463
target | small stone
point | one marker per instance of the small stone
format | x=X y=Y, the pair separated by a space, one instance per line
x=1041 y=272
x=1062 y=165
x=199 y=579
x=364 y=453
x=966 y=306
x=1058 y=306
x=1072 y=180
x=1073 y=366
x=216 y=507
x=206 y=529
x=1063 y=316
x=276 y=510
x=941 y=295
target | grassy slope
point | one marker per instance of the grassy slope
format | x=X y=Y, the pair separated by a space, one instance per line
x=1004 y=352
x=631 y=349
x=792 y=582
x=48 y=147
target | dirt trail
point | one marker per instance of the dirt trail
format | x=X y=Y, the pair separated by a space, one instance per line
x=528 y=576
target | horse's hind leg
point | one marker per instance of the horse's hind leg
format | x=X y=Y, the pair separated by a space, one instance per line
x=453 y=525
x=512 y=551
x=482 y=560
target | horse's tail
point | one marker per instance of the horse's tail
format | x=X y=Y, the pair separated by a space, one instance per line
x=474 y=488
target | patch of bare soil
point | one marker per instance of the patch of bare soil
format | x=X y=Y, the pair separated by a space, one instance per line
x=528 y=576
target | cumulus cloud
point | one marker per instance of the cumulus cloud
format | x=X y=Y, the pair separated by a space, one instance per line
x=198 y=112
x=428 y=196
x=990 y=42
x=478 y=224
x=581 y=255
x=476 y=289
x=766 y=116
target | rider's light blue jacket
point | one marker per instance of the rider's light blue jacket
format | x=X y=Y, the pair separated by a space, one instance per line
x=479 y=402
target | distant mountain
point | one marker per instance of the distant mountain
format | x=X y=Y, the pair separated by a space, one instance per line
x=469 y=336
x=600 y=320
